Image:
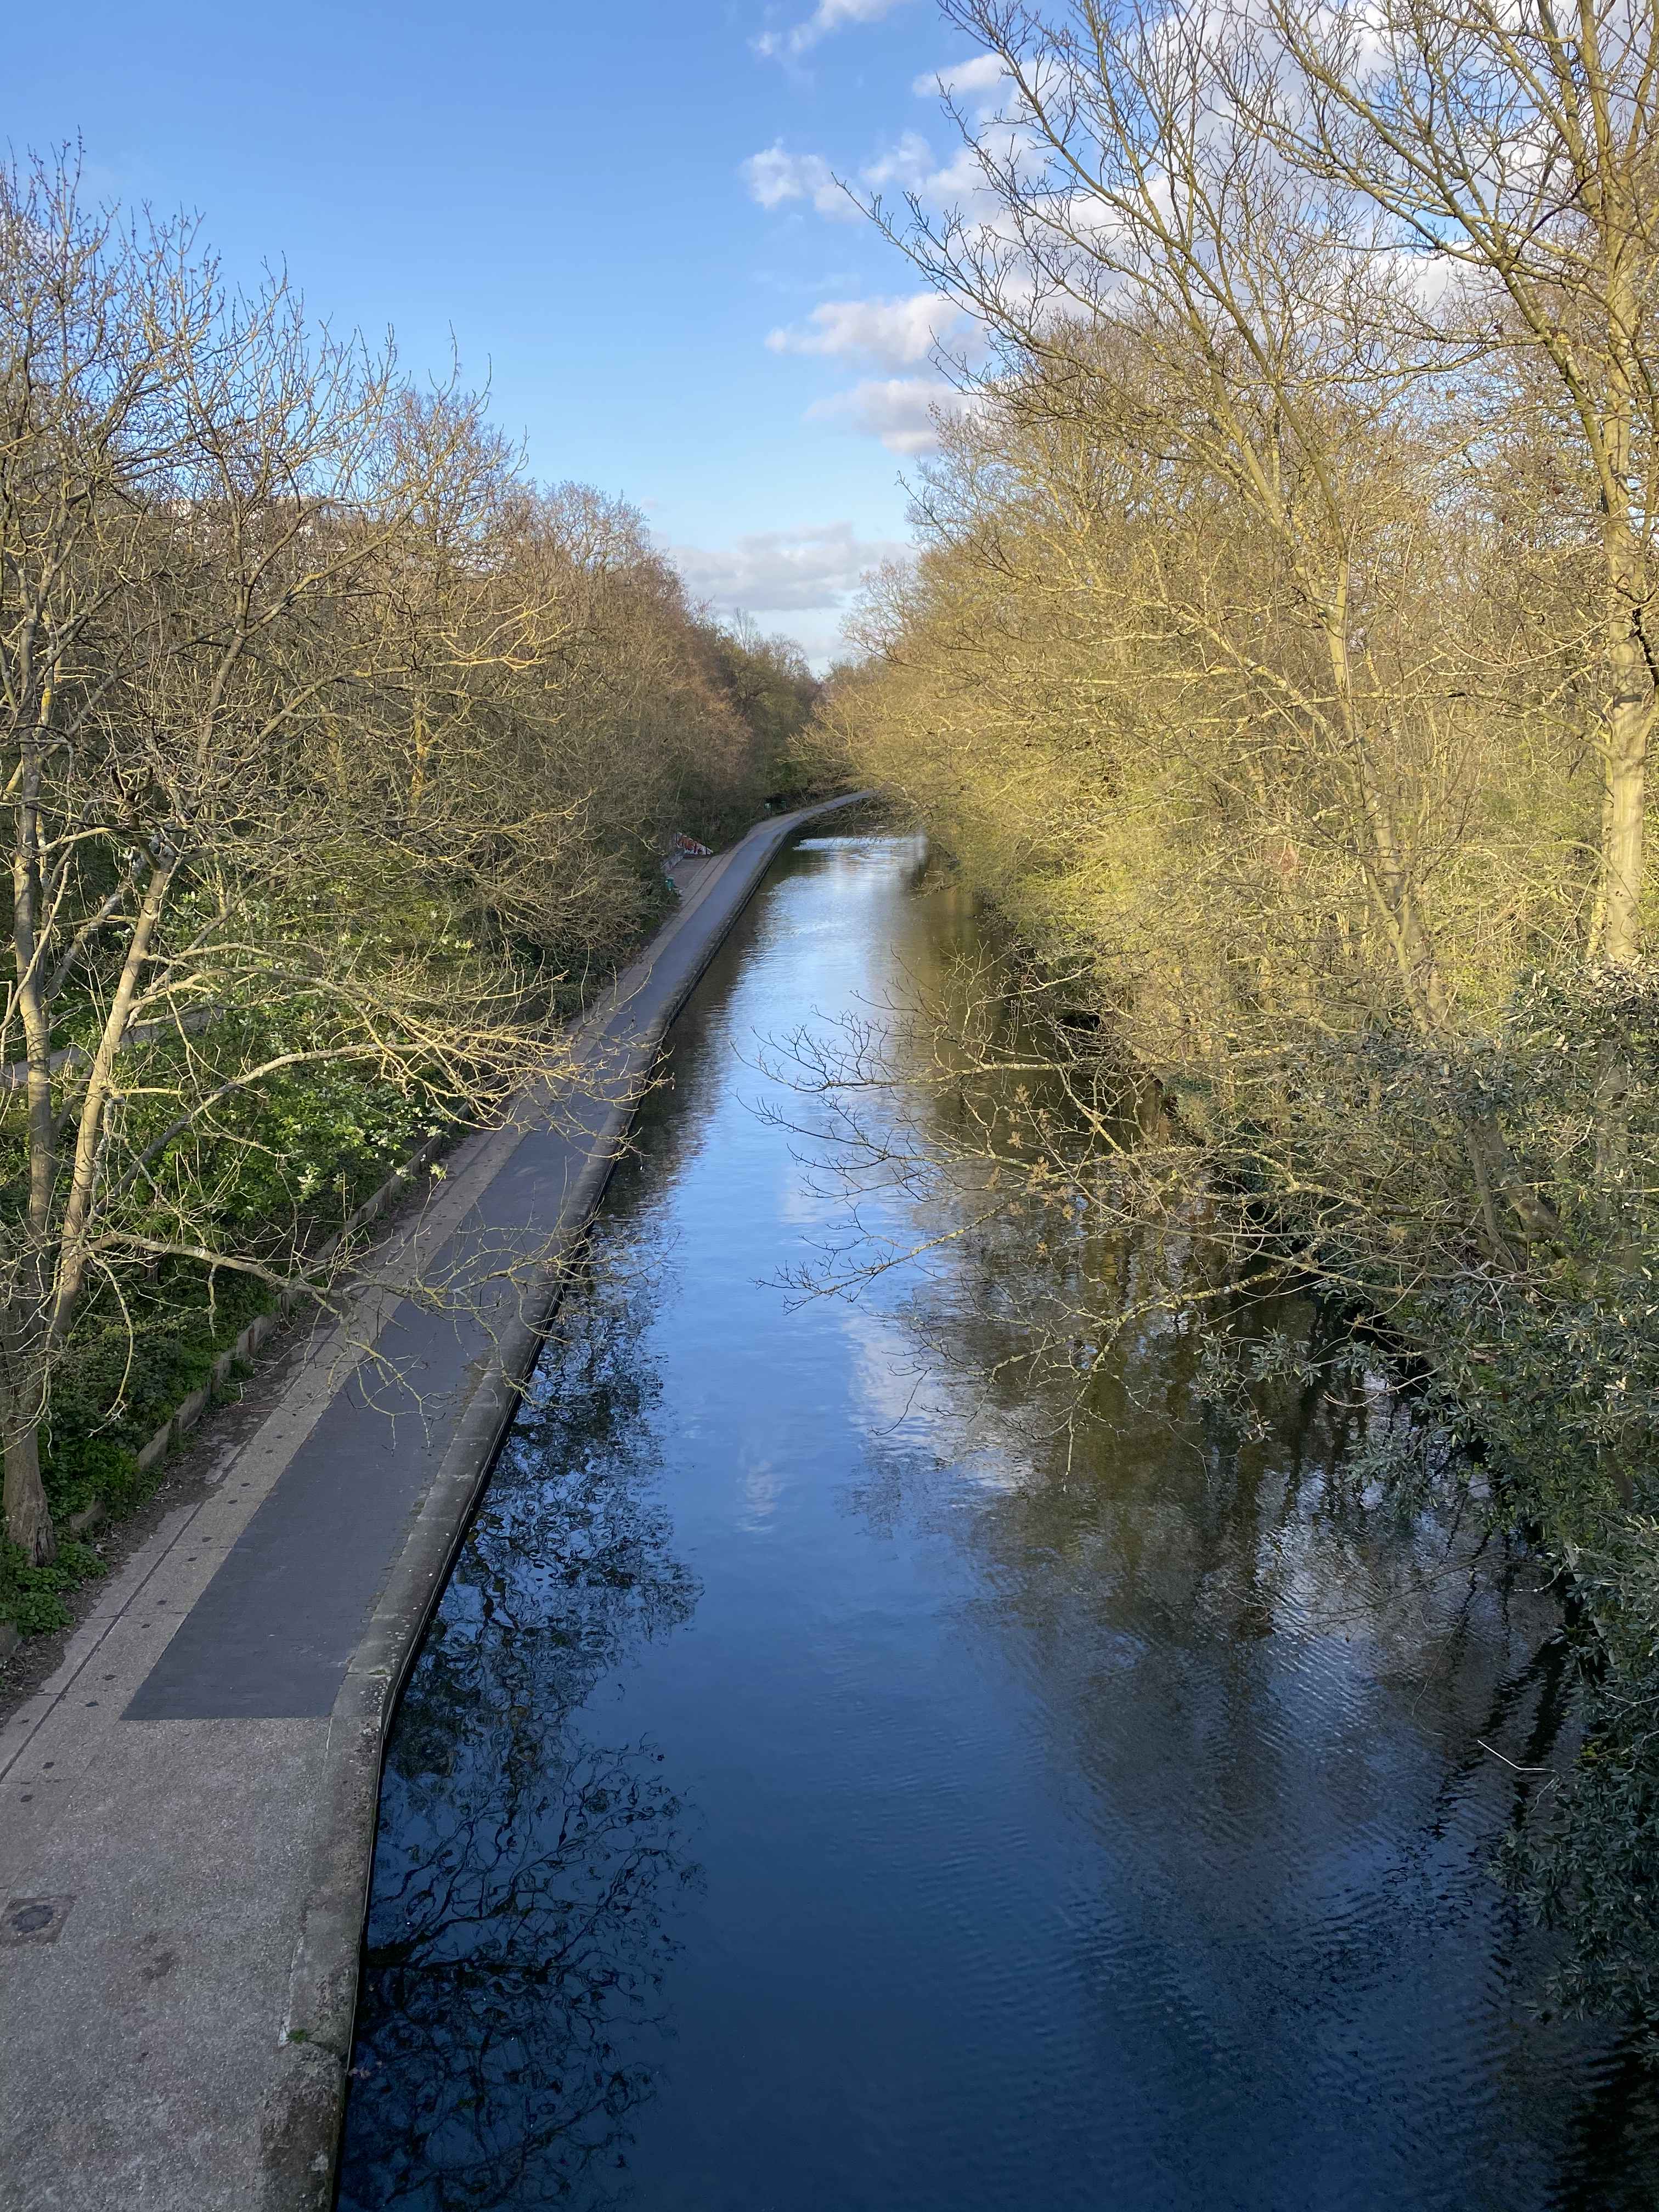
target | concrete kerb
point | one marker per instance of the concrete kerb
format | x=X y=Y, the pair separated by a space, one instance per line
x=301 y=2124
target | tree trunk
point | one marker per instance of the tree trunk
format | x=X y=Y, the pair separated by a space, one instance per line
x=1630 y=718
x=1630 y=687
x=28 y=1516
x=1630 y=713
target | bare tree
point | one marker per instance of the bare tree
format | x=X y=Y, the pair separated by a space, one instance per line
x=1175 y=293
x=1515 y=148
x=193 y=485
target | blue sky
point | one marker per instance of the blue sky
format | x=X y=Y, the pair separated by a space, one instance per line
x=613 y=208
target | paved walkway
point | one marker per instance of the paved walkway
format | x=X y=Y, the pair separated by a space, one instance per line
x=187 y=1806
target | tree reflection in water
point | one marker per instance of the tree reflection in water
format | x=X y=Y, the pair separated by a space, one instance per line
x=515 y=1946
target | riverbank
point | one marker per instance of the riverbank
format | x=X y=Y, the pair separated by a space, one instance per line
x=190 y=1799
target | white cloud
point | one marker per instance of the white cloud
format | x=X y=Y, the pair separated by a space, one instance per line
x=784 y=571
x=961 y=176
x=897 y=410
x=908 y=164
x=829 y=15
x=895 y=332
x=982 y=74
x=774 y=178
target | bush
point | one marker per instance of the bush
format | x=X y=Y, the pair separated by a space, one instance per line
x=114 y=1390
x=31 y=1597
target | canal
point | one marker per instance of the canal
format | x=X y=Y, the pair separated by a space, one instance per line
x=822 y=1790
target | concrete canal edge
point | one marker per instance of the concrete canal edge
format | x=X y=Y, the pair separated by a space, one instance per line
x=300 y=2125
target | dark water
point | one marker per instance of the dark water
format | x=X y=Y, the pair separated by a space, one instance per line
x=812 y=1798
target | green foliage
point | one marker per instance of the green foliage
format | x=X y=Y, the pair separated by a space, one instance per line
x=315 y=1144
x=1586 y=1860
x=31 y=1597
x=117 y=1386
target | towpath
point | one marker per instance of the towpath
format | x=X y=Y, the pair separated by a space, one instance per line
x=187 y=1806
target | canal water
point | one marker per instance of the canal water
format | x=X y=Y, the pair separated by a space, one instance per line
x=824 y=1790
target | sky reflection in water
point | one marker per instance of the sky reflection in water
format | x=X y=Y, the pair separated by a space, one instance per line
x=800 y=1803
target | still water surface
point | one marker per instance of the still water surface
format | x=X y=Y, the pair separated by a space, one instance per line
x=810 y=1799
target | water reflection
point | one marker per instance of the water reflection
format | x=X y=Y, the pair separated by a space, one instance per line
x=827 y=1788
x=517 y=1940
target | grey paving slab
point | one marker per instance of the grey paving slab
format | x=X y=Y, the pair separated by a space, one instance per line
x=131 y=2042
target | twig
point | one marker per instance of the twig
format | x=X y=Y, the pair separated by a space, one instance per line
x=1510 y=1763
